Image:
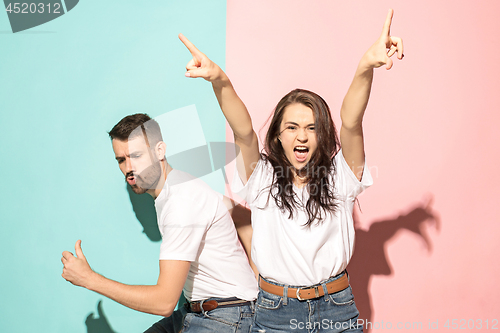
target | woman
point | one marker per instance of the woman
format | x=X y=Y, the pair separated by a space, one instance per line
x=301 y=192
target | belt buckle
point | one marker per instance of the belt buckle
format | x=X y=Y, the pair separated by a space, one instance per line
x=316 y=292
x=297 y=293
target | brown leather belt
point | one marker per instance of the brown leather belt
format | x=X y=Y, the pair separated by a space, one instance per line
x=305 y=293
x=213 y=304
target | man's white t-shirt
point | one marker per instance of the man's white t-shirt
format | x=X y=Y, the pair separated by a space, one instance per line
x=196 y=226
x=285 y=250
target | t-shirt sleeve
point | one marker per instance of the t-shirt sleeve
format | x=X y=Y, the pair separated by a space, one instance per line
x=249 y=191
x=347 y=182
x=183 y=228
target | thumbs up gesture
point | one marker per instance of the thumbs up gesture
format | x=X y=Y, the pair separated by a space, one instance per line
x=76 y=269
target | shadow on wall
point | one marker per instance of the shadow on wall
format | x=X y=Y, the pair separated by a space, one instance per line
x=370 y=254
x=144 y=209
x=99 y=324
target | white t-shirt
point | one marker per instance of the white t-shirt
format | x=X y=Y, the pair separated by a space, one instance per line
x=196 y=226
x=286 y=251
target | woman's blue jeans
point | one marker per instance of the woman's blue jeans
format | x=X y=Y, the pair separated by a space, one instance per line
x=336 y=312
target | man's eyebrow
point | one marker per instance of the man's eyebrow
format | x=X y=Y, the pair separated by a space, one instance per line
x=119 y=157
x=135 y=152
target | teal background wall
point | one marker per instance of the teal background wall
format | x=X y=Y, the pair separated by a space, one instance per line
x=63 y=85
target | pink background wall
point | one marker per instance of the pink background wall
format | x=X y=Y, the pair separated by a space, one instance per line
x=427 y=243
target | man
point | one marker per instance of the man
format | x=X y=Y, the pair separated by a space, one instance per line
x=200 y=252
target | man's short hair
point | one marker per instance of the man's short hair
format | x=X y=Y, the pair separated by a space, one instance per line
x=135 y=125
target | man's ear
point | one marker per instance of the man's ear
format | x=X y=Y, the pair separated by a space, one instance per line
x=160 y=150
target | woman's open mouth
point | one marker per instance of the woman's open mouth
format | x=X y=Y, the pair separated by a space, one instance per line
x=301 y=153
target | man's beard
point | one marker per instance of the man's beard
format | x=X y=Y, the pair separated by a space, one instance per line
x=147 y=180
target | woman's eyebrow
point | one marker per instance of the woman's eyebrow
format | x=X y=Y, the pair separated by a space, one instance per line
x=292 y=123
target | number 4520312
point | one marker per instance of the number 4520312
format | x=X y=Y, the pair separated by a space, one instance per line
x=470 y=324
x=32 y=8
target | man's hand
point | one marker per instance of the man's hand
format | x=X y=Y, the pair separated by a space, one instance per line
x=159 y=299
x=200 y=65
x=76 y=269
x=380 y=53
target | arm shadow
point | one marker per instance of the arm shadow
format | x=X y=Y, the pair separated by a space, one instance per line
x=99 y=324
x=370 y=255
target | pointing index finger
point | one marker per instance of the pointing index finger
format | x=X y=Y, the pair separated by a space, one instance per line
x=386 y=31
x=194 y=51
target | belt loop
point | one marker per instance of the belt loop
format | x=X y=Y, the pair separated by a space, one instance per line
x=325 y=291
x=285 y=294
x=201 y=307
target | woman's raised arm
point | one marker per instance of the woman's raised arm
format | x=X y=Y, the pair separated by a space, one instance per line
x=356 y=99
x=231 y=105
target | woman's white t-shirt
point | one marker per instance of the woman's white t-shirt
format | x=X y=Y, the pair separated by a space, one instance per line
x=285 y=250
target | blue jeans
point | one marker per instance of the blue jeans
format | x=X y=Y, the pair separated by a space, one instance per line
x=172 y=324
x=330 y=313
x=234 y=319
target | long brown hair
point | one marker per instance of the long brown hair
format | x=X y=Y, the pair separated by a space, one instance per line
x=316 y=172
